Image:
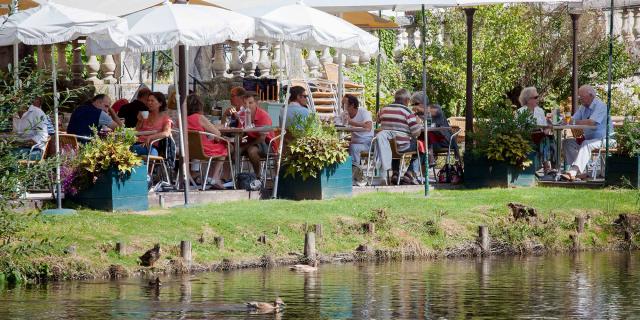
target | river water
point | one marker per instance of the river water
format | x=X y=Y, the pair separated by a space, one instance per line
x=584 y=286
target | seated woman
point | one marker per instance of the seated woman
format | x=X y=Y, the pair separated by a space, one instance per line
x=438 y=139
x=212 y=147
x=542 y=138
x=257 y=144
x=157 y=123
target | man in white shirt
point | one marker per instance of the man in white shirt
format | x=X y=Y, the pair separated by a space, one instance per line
x=592 y=112
x=358 y=118
x=30 y=126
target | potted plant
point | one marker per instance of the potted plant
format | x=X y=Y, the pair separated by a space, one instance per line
x=316 y=162
x=623 y=165
x=106 y=175
x=502 y=154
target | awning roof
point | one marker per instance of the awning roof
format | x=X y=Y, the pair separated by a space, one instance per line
x=366 y=20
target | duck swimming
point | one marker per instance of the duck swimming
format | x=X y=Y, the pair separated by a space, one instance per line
x=265 y=307
x=305 y=267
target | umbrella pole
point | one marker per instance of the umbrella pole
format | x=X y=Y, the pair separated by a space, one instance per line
x=378 y=70
x=153 y=70
x=16 y=70
x=340 y=77
x=54 y=77
x=427 y=113
x=610 y=79
x=180 y=125
x=282 y=123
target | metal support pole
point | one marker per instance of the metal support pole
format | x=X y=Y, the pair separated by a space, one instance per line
x=153 y=70
x=574 y=65
x=468 y=111
x=427 y=113
x=177 y=75
x=610 y=79
x=378 y=58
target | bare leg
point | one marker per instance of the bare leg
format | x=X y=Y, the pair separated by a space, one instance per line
x=254 y=157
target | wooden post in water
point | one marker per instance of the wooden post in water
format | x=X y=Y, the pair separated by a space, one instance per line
x=580 y=221
x=161 y=202
x=484 y=240
x=262 y=239
x=121 y=248
x=310 y=246
x=277 y=230
x=219 y=242
x=318 y=230
x=575 y=240
x=185 y=250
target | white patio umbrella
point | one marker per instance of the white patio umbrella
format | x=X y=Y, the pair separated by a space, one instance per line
x=171 y=25
x=54 y=23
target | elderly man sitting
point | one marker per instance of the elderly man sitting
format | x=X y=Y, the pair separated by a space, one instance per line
x=577 y=151
x=399 y=123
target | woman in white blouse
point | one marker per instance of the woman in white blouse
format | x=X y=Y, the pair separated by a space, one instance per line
x=529 y=101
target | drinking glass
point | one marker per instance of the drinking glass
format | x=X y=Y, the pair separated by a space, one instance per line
x=567 y=118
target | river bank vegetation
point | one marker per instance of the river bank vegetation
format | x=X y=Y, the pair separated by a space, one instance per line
x=406 y=226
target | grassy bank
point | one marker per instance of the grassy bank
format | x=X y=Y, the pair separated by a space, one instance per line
x=405 y=225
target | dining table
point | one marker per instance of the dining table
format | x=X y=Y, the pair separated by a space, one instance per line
x=237 y=134
x=558 y=129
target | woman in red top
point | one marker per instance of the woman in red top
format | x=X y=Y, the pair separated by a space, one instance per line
x=157 y=124
x=211 y=147
x=257 y=144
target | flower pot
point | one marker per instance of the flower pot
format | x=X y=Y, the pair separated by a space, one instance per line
x=621 y=168
x=479 y=172
x=113 y=191
x=331 y=182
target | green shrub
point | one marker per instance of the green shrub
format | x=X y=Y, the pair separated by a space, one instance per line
x=315 y=146
x=628 y=138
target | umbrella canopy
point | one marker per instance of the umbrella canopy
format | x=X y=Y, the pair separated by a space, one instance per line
x=302 y=26
x=53 y=23
x=168 y=25
x=113 y=7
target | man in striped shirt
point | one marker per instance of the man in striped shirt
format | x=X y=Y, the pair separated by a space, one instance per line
x=398 y=119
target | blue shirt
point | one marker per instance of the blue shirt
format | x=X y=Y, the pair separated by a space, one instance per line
x=293 y=110
x=597 y=112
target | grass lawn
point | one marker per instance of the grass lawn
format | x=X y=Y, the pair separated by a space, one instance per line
x=407 y=222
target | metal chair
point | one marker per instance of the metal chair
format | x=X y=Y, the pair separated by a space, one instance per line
x=152 y=160
x=196 y=152
x=274 y=156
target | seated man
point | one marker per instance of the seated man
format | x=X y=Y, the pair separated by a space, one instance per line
x=93 y=114
x=257 y=145
x=130 y=110
x=439 y=139
x=31 y=128
x=577 y=152
x=359 y=118
x=399 y=123
x=230 y=115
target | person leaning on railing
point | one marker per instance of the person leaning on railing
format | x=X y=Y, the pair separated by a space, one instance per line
x=157 y=123
x=542 y=138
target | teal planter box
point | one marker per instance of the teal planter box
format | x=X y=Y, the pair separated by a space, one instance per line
x=115 y=192
x=483 y=173
x=331 y=182
x=621 y=167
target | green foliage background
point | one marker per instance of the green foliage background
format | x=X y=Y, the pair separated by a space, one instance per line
x=514 y=47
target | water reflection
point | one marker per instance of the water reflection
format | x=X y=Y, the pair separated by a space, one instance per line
x=602 y=285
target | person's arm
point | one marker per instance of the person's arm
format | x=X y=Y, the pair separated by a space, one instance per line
x=106 y=120
x=210 y=128
x=115 y=117
x=414 y=126
x=367 y=123
x=164 y=133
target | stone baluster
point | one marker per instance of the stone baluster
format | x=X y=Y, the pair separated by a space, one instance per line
x=411 y=40
x=92 y=68
x=108 y=68
x=278 y=64
x=342 y=59
x=364 y=58
x=44 y=57
x=76 y=64
x=636 y=27
x=249 y=60
x=401 y=39
x=219 y=62
x=417 y=37
x=353 y=60
x=61 y=63
x=314 y=64
x=236 y=65
x=264 y=63
x=326 y=56
x=626 y=30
